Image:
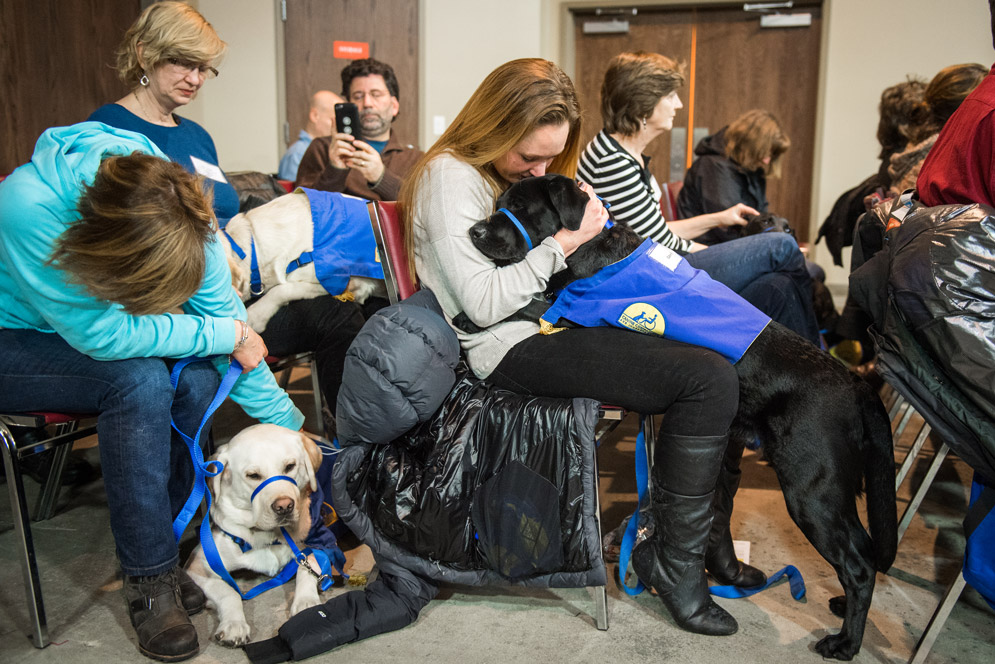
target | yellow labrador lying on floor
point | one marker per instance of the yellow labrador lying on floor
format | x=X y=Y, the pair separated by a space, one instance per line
x=283 y=231
x=254 y=455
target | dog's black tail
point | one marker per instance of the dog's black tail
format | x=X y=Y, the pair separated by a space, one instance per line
x=880 y=478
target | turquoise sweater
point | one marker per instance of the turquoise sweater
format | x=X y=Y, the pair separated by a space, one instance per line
x=38 y=202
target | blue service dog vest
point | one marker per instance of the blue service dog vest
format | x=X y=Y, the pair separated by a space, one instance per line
x=655 y=291
x=343 y=240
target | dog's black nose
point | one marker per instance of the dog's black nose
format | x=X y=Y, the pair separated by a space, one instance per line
x=477 y=231
x=283 y=506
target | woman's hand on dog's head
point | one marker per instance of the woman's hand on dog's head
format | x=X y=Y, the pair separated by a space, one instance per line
x=595 y=216
x=735 y=216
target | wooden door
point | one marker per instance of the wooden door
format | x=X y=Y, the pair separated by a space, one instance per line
x=57 y=60
x=390 y=27
x=731 y=66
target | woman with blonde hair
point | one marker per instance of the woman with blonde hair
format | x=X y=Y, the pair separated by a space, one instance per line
x=102 y=239
x=165 y=57
x=524 y=121
x=732 y=166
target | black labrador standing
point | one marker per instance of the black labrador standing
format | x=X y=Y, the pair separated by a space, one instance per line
x=823 y=429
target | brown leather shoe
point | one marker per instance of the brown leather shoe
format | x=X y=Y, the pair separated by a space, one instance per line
x=157 y=614
x=191 y=596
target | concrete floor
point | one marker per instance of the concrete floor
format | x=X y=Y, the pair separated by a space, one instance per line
x=88 y=621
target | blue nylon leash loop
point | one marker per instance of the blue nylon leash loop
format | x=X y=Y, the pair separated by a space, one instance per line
x=795 y=582
x=632 y=529
x=202 y=470
x=518 y=225
x=270 y=480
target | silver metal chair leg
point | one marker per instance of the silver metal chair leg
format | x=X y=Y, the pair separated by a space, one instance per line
x=900 y=428
x=913 y=506
x=48 y=497
x=26 y=550
x=899 y=403
x=913 y=453
x=600 y=592
x=939 y=618
x=318 y=399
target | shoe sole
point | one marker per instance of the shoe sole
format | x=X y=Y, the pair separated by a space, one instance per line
x=169 y=658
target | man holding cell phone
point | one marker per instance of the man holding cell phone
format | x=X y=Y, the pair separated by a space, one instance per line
x=363 y=157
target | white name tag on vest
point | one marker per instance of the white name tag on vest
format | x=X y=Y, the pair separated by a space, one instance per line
x=665 y=257
x=208 y=170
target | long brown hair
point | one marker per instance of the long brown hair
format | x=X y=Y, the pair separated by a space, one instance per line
x=140 y=238
x=944 y=94
x=513 y=101
x=754 y=136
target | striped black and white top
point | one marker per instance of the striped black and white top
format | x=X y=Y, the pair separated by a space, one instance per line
x=631 y=190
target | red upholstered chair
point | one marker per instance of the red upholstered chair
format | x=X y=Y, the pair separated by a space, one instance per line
x=15 y=445
x=668 y=202
x=390 y=246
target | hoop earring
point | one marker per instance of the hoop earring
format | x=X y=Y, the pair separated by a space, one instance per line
x=144 y=82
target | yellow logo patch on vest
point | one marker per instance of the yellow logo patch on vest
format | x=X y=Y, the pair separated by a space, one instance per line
x=642 y=317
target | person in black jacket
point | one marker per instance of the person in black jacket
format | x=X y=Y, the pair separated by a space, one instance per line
x=732 y=167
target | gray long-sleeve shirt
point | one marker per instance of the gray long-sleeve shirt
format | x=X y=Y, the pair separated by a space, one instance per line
x=451 y=196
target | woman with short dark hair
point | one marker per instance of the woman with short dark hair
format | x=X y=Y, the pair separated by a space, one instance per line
x=638 y=103
x=102 y=241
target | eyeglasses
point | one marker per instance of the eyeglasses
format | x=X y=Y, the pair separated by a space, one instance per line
x=206 y=71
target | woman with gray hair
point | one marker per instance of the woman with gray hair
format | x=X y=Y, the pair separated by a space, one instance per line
x=638 y=103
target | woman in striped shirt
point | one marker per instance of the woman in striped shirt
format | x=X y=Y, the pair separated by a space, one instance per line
x=638 y=103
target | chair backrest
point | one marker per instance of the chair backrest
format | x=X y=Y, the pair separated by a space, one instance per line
x=390 y=247
x=668 y=202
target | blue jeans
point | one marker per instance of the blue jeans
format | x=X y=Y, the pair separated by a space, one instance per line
x=768 y=271
x=146 y=467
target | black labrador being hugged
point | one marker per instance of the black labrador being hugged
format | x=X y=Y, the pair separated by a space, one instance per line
x=823 y=429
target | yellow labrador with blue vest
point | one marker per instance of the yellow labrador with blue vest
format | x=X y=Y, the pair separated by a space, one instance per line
x=246 y=520
x=277 y=252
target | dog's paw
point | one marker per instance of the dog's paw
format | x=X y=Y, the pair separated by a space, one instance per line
x=836 y=646
x=232 y=633
x=838 y=606
x=257 y=317
x=303 y=601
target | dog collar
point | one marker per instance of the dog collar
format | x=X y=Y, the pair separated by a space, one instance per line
x=518 y=225
x=268 y=480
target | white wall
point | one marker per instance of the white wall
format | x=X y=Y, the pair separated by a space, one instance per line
x=464 y=41
x=867 y=46
x=241 y=108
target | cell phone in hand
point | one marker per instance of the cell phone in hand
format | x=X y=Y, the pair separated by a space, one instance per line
x=347 y=119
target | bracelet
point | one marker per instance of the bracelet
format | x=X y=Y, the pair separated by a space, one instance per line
x=245 y=336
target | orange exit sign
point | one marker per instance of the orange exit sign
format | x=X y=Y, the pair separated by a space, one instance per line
x=347 y=50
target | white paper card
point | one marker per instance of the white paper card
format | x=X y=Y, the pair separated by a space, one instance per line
x=742 y=549
x=208 y=170
x=665 y=257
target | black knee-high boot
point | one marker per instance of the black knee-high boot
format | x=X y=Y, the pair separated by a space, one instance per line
x=720 y=557
x=672 y=560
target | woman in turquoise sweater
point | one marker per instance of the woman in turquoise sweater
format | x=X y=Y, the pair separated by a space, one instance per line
x=101 y=238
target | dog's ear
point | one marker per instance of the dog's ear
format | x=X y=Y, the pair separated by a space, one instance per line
x=312 y=459
x=224 y=478
x=568 y=201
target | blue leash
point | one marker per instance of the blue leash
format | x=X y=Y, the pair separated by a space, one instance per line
x=795 y=580
x=632 y=529
x=202 y=470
